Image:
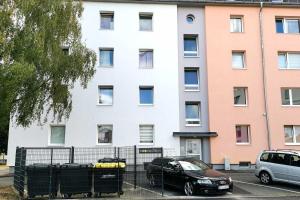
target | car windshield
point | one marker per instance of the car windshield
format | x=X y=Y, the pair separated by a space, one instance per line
x=189 y=165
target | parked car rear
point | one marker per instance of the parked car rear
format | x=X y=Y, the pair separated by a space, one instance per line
x=190 y=175
x=279 y=166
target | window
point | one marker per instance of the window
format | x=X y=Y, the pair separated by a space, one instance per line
x=284 y=25
x=192 y=113
x=238 y=60
x=264 y=157
x=146 y=21
x=279 y=158
x=106 y=57
x=191 y=79
x=57 y=135
x=236 y=24
x=190 y=45
x=242 y=134
x=105 y=134
x=107 y=20
x=240 y=96
x=146 y=58
x=146 y=134
x=295 y=161
x=292 y=134
x=290 y=96
x=190 y=18
x=105 y=95
x=288 y=60
x=146 y=95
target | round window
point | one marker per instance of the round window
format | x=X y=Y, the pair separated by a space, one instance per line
x=190 y=18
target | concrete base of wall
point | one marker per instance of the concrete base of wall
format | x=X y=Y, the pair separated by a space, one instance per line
x=234 y=167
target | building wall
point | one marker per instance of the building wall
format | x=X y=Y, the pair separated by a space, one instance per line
x=126 y=114
x=278 y=78
x=223 y=115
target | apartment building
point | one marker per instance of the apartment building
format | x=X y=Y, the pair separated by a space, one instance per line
x=218 y=80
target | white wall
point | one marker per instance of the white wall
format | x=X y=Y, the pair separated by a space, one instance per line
x=125 y=76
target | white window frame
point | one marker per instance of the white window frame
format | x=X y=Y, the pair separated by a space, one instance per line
x=148 y=14
x=243 y=59
x=287 y=61
x=113 y=60
x=107 y=13
x=49 y=135
x=191 y=52
x=105 y=86
x=249 y=135
x=246 y=93
x=192 y=87
x=153 y=135
x=290 y=96
x=187 y=120
x=294 y=136
x=285 y=25
x=242 y=23
x=112 y=134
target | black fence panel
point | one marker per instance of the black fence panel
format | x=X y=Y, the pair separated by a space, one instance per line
x=94 y=171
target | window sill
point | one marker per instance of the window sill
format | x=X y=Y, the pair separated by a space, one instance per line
x=105 y=66
x=292 y=106
x=246 y=105
x=239 y=68
x=146 y=105
x=283 y=69
x=288 y=33
x=243 y=144
x=56 y=145
x=146 y=67
x=191 y=56
x=108 y=29
x=292 y=144
x=104 y=144
x=237 y=32
x=147 y=31
x=193 y=125
x=146 y=144
x=189 y=90
x=104 y=104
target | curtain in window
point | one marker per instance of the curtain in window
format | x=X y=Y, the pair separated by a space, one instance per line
x=282 y=61
x=296 y=96
x=242 y=135
x=105 y=95
x=288 y=132
x=239 y=96
x=105 y=134
x=297 y=134
x=294 y=60
x=236 y=25
x=57 y=135
x=146 y=59
x=238 y=60
x=106 y=57
x=145 y=23
x=192 y=111
x=146 y=134
x=292 y=26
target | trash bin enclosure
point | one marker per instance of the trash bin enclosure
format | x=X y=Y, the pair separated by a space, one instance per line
x=39 y=178
x=76 y=179
x=108 y=176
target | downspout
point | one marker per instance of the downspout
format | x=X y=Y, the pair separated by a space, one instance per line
x=266 y=114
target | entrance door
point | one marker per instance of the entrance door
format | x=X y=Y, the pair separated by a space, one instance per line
x=193 y=147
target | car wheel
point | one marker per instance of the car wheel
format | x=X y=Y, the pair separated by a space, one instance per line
x=152 y=180
x=265 y=178
x=188 y=189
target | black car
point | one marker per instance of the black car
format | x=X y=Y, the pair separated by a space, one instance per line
x=190 y=175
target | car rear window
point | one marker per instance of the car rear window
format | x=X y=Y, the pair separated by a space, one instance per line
x=264 y=157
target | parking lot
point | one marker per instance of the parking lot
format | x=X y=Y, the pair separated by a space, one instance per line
x=246 y=186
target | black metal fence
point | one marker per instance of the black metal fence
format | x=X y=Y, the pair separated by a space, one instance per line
x=56 y=182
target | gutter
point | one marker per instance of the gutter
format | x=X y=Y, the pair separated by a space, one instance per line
x=263 y=64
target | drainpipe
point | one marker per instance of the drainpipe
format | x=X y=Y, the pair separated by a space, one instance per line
x=266 y=114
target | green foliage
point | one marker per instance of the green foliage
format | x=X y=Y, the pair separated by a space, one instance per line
x=36 y=75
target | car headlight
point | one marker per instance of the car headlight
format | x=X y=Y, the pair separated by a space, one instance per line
x=204 y=181
x=230 y=180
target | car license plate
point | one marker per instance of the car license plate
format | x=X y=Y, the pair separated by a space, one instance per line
x=223 y=187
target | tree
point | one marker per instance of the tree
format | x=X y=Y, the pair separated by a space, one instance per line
x=42 y=58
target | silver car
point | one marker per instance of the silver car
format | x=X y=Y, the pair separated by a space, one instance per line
x=278 y=165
